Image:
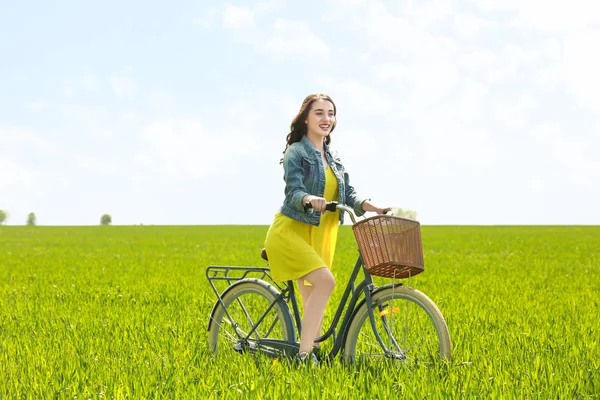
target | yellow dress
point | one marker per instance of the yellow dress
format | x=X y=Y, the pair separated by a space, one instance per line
x=295 y=248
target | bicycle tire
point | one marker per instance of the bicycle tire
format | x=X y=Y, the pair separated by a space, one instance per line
x=246 y=300
x=405 y=308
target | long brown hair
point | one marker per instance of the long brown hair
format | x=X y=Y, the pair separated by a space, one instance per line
x=298 y=125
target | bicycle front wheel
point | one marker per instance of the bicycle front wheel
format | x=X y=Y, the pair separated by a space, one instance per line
x=250 y=315
x=410 y=326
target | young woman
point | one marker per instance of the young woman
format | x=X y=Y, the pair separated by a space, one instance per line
x=301 y=240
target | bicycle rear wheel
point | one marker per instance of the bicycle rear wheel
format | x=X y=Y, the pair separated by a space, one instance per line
x=411 y=327
x=252 y=316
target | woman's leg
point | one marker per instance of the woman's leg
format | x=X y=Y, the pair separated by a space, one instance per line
x=305 y=292
x=323 y=283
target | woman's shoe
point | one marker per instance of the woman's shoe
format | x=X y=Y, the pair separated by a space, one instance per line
x=307 y=358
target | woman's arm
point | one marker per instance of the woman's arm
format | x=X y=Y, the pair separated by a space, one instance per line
x=368 y=206
x=293 y=174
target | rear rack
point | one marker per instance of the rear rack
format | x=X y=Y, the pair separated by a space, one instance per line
x=230 y=275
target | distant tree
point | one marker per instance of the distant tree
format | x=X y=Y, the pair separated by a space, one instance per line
x=399 y=212
x=106 y=219
x=31 y=219
x=3 y=216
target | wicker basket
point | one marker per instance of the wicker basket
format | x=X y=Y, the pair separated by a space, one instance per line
x=390 y=246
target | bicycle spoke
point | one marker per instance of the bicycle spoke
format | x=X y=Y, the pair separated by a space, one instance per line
x=233 y=338
x=368 y=341
x=387 y=310
x=248 y=318
x=270 y=330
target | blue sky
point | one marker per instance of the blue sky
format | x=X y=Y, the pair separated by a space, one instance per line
x=468 y=112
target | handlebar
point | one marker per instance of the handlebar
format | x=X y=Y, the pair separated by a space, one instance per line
x=334 y=206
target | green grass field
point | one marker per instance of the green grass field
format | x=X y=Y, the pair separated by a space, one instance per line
x=122 y=312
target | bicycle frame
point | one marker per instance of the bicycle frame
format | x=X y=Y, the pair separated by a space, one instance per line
x=287 y=293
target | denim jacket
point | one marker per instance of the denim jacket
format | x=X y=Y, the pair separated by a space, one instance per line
x=304 y=174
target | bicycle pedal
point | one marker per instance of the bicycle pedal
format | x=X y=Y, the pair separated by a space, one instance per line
x=239 y=347
x=398 y=356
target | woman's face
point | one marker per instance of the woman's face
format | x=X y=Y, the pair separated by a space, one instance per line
x=320 y=119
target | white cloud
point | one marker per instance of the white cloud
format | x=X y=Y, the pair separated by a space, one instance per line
x=207 y=20
x=469 y=26
x=295 y=37
x=97 y=165
x=452 y=147
x=242 y=113
x=426 y=14
x=497 y=5
x=388 y=33
x=21 y=141
x=161 y=101
x=455 y=136
x=75 y=112
x=550 y=69
x=270 y=5
x=86 y=83
x=556 y=16
x=582 y=63
x=546 y=16
x=467 y=106
x=513 y=113
x=289 y=105
x=575 y=155
x=184 y=148
x=498 y=67
x=423 y=81
x=26 y=161
x=356 y=98
x=351 y=4
x=15 y=174
x=407 y=34
x=123 y=84
x=235 y=17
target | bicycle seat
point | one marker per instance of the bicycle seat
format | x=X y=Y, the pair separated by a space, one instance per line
x=263 y=254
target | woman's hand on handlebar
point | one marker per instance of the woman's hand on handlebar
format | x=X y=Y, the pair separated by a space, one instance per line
x=314 y=202
x=368 y=206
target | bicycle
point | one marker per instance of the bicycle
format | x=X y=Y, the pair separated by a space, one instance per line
x=392 y=322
